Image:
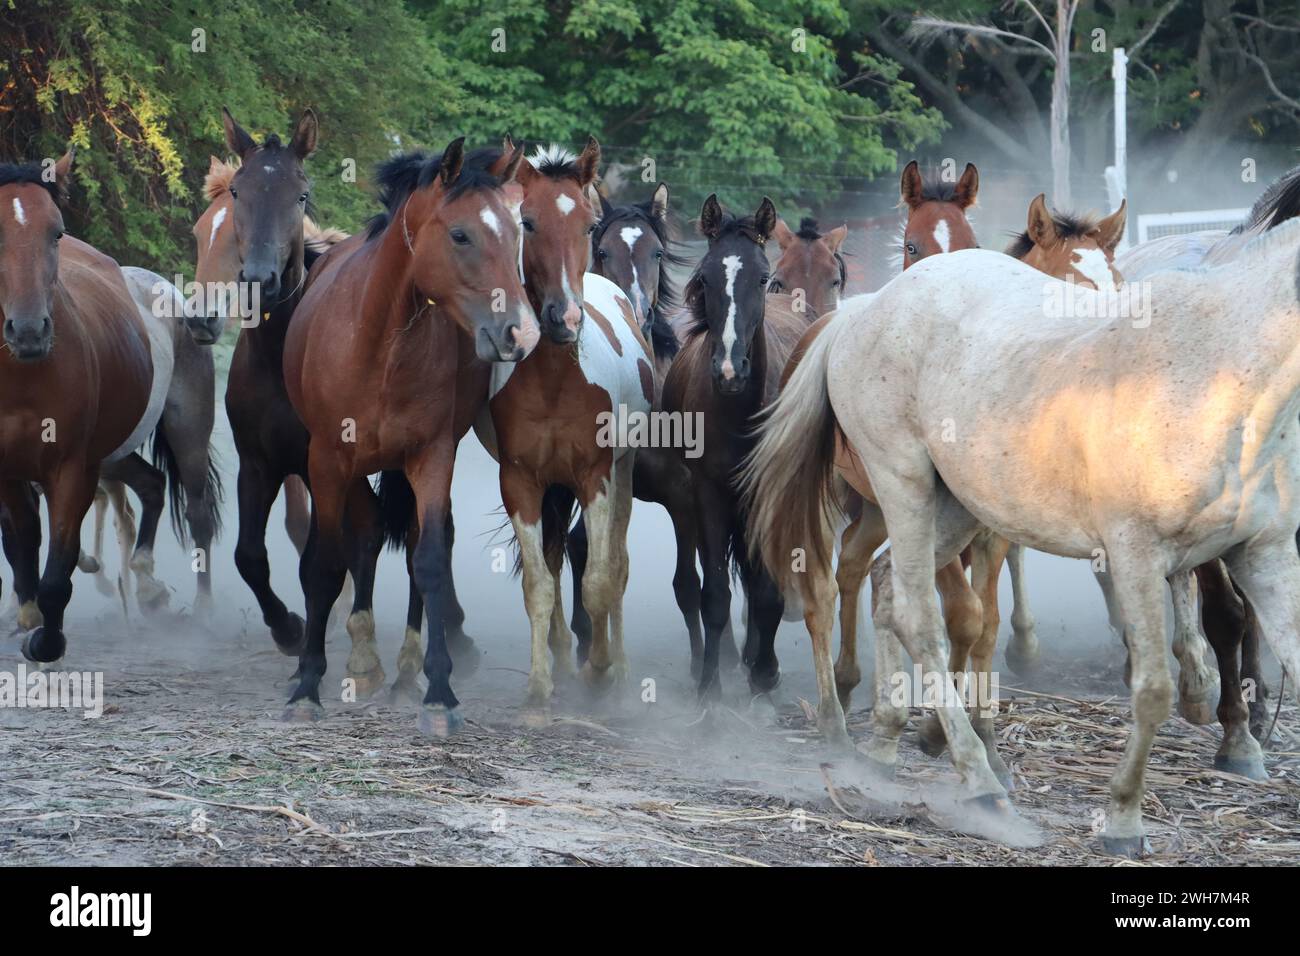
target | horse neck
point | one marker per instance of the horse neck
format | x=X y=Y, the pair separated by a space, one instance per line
x=267 y=336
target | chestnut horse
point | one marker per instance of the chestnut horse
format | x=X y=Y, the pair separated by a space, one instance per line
x=728 y=369
x=556 y=425
x=386 y=360
x=68 y=405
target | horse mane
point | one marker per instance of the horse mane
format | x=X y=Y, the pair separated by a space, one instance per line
x=1279 y=202
x=1069 y=225
x=217 y=182
x=555 y=162
x=25 y=173
x=693 y=297
x=403 y=174
x=320 y=237
x=663 y=339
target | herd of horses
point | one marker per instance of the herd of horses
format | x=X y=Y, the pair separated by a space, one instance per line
x=951 y=415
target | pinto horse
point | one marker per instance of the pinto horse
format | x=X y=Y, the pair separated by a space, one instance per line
x=555 y=426
x=422 y=303
x=66 y=405
x=730 y=368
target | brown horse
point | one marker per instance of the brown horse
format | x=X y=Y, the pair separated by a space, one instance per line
x=68 y=405
x=730 y=368
x=386 y=360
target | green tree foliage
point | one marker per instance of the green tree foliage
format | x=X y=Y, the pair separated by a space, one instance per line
x=742 y=96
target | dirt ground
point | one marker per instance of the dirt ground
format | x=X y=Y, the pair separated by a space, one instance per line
x=190 y=763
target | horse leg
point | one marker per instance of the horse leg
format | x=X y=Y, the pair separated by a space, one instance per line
x=20 y=527
x=190 y=445
x=622 y=517
x=1022 y=650
x=69 y=495
x=90 y=563
x=858 y=546
x=462 y=647
x=986 y=568
x=890 y=710
x=410 y=658
x=150 y=486
x=766 y=605
x=713 y=520
x=365 y=541
x=1252 y=674
x=1198 y=686
x=124 y=529
x=297 y=511
x=430 y=478
x=321 y=571
x=557 y=511
x=1224 y=615
x=818 y=592
x=686 y=577
x=576 y=546
x=928 y=528
x=596 y=496
x=1115 y=616
x=257 y=488
x=1141 y=601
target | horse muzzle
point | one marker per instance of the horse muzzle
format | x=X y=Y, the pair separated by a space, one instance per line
x=29 y=340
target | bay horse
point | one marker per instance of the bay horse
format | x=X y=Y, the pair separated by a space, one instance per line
x=422 y=303
x=558 y=419
x=729 y=368
x=66 y=405
x=1114 y=400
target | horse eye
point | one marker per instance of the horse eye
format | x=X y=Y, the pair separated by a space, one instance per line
x=233 y=194
x=303 y=199
x=602 y=254
x=459 y=237
x=763 y=280
x=835 y=283
x=591 y=231
x=528 y=225
x=911 y=249
x=659 y=253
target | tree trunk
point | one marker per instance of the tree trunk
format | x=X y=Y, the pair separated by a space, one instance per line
x=1061 y=107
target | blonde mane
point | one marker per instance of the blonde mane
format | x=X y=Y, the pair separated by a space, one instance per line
x=217 y=182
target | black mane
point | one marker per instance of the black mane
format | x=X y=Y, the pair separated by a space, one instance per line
x=1279 y=202
x=1068 y=226
x=23 y=173
x=402 y=175
x=662 y=337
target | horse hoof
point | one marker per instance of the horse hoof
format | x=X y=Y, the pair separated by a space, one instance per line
x=1252 y=767
x=367 y=684
x=305 y=711
x=44 y=647
x=1020 y=663
x=995 y=803
x=152 y=598
x=405 y=690
x=464 y=652
x=439 y=721
x=536 y=716
x=1199 y=712
x=597 y=679
x=931 y=738
x=1130 y=848
x=291 y=640
x=761 y=682
x=88 y=565
x=104 y=586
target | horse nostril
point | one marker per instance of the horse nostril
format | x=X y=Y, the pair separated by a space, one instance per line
x=742 y=367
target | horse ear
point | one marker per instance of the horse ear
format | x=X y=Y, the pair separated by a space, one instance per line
x=214 y=165
x=765 y=219
x=588 y=161
x=784 y=237
x=659 y=202
x=909 y=187
x=453 y=157
x=507 y=167
x=711 y=217
x=1111 y=229
x=237 y=141
x=835 y=238
x=62 y=171
x=968 y=187
x=304 y=137
x=598 y=202
x=1042 y=230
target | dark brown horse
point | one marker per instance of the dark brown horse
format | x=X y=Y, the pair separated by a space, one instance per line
x=75 y=378
x=387 y=363
x=730 y=368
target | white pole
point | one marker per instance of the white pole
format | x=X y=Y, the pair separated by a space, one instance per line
x=1119 y=186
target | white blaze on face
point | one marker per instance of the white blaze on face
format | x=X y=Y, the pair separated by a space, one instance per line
x=572 y=302
x=1092 y=265
x=19 y=213
x=942 y=237
x=629 y=235
x=732 y=265
x=565 y=204
x=491 y=221
x=217 y=220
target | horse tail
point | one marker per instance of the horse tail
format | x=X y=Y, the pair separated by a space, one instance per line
x=396 y=507
x=785 y=482
x=165 y=460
